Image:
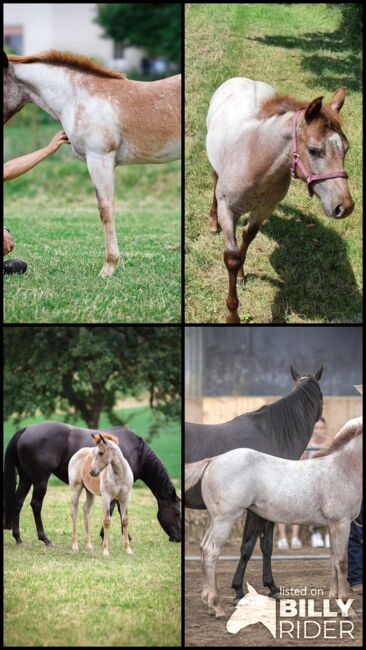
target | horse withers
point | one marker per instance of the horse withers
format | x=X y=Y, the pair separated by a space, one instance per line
x=255 y=140
x=109 y=120
x=102 y=471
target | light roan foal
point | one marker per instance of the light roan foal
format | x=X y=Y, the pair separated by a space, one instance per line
x=105 y=472
x=109 y=120
x=255 y=138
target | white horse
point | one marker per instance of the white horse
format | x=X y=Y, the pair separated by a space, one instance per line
x=326 y=489
x=102 y=471
x=108 y=119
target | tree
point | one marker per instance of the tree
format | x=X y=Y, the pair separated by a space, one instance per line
x=82 y=370
x=154 y=26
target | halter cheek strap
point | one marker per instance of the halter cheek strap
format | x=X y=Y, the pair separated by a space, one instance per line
x=296 y=162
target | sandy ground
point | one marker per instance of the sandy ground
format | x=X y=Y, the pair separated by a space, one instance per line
x=203 y=630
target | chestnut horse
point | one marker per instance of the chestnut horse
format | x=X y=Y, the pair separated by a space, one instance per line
x=255 y=139
x=108 y=119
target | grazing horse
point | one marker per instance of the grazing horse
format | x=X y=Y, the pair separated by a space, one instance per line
x=282 y=429
x=255 y=139
x=327 y=489
x=105 y=472
x=39 y=450
x=109 y=120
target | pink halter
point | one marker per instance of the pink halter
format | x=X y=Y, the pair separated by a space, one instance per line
x=296 y=162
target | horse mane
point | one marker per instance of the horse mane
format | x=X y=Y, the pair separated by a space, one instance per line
x=291 y=413
x=156 y=470
x=280 y=104
x=75 y=62
x=109 y=436
x=339 y=441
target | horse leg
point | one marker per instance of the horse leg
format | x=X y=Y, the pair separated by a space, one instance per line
x=20 y=494
x=266 y=543
x=101 y=170
x=39 y=491
x=339 y=534
x=214 y=226
x=76 y=489
x=123 y=511
x=253 y=525
x=205 y=590
x=231 y=258
x=218 y=535
x=248 y=234
x=106 y=526
x=333 y=589
x=112 y=507
x=87 y=507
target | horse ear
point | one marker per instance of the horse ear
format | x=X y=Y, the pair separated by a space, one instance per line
x=358 y=387
x=295 y=375
x=338 y=99
x=313 y=110
x=101 y=438
x=319 y=373
x=251 y=589
x=5 y=60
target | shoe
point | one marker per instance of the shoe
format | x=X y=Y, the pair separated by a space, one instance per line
x=282 y=543
x=10 y=267
x=316 y=540
x=357 y=589
x=296 y=543
x=327 y=541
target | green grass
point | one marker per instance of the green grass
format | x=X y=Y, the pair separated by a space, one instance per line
x=53 y=597
x=302 y=267
x=53 y=216
x=166 y=444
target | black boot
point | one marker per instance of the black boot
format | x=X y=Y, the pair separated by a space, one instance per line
x=14 y=266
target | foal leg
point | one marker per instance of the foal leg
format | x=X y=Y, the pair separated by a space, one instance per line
x=218 y=535
x=20 y=494
x=87 y=507
x=248 y=234
x=204 y=593
x=106 y=526
x=123 y=511
x=101 y=170
x=253 y=526
x=39 y=491
x=214 y=226
x=231 y=258
x=339 y=534
x=266 y=543
x=76 y=489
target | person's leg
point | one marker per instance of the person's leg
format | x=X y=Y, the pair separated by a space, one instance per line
x=355 y=564
x=282 y=539
x=295 y=539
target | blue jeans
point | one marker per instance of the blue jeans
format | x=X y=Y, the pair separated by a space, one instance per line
x=355 y=576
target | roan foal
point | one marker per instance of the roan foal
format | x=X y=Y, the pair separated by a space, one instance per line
x=255 y=140
x=105 y=472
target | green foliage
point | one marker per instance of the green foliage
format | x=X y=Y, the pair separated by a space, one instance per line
x=82 y=369
x=154 y=26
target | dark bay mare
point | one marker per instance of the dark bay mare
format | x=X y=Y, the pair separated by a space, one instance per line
x=39 y=450
x=282 y=429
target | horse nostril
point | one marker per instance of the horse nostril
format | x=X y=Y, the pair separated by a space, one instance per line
x=338 y=211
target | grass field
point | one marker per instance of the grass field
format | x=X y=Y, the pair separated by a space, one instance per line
x=53 y=216
x=302 y=267
x=166 y=444
x=54 y=597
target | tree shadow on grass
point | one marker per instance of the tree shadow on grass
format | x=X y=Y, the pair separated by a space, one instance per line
x=344 y=68
x=318 y=283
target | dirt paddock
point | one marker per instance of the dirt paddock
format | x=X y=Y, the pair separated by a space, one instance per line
x=203 y=630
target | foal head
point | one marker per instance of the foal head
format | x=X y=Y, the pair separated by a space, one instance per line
x=103 y=452
x=15 y=95
x=322 y=148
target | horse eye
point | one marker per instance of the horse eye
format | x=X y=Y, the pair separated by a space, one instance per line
x=314 y=152
x=100 y=453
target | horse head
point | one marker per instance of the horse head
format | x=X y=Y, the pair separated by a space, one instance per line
x=15 y=94
x=169 y=516
x=322 y=147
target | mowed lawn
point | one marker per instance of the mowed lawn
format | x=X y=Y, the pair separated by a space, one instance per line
x=54 y=597
x=53 y=216
x=302 y=267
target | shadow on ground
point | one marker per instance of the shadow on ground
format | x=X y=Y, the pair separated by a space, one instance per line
x=316 y=277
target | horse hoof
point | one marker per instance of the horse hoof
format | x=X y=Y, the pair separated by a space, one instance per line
x=220 y=614
x=129 y=551
x=276 y=595
x=19 y=542
x=75 y=549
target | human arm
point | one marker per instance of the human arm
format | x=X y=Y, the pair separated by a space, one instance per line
x=19 y=166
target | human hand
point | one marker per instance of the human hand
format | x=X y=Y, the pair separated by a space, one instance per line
x=57 y=140
x=8 y=242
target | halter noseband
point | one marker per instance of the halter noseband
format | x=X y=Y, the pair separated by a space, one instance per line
x=296 y=162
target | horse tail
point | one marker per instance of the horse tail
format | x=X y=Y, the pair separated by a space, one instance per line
x=193 y=472
x=11 y=460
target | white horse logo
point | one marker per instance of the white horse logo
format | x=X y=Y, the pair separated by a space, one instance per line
x=253 y=608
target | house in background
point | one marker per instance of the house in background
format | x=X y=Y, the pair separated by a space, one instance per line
x=33 y=27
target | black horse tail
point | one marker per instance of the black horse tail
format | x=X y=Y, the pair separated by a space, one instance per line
x=11 y=458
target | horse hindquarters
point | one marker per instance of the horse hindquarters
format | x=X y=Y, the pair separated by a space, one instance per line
x=101 y=170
